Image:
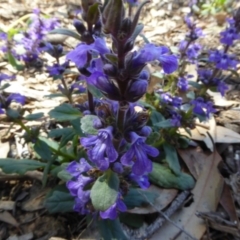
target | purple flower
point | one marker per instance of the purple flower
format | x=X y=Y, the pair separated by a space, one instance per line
x=182 y=84
x=137 y=155
x=104 y=84
x=75 y=168
x=80 y=54
x=222 y=87
x=145 y=131
x=198 y=106
x=137 y=88
x=57 y=69
x=132 y=2
x=100 y=148
x=223 y=60
x=193 y=51
x=4 y=76
x=176 y=101
x=80 y=206
x=142 y=181
x=3 y=36
x=16 y=97
x=201 y=107
x=166 y=98
x=176 y=119
x=112 y=212
x=195 y=32
x=230 y=34
x=76 y=187
x=209 y=108
x=117 y=167
x=150 y=52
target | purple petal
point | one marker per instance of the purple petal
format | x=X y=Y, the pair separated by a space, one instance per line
x=169 y=63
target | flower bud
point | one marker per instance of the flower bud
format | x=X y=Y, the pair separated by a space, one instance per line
x=112 y=16
x=110 y=70
x=79 y=26
x=136 y=90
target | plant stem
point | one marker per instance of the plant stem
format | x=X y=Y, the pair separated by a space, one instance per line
x=90 y=101
x=68 y=93
x=122 y=110
x=23 y=126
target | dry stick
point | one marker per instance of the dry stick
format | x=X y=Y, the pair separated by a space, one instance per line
x=165 y=216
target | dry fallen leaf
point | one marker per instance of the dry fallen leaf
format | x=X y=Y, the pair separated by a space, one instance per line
x=221 y=101
x=8 y=218
x=227 y=202
x=210 y=134
x=206 y=194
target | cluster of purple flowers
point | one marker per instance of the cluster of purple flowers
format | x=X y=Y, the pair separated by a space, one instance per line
x=120 y=143
x=14 y=97
x=26 y=45
x=172 y=106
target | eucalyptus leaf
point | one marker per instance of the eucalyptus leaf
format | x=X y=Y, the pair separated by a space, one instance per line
x=104 y=192
x=164 y=177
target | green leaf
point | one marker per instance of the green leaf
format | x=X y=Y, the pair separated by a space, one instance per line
x=53 y=95
x=93 y=13
x=34 y=116
x=43 y=150
x=64 y=112
x=191 y=95
x=111 y=229
x=112 y=58
x=66 y=134
x=64 y=175
x=52 y=144
x=9 y=165
x=136 y=32
x=172 y=158
x=163 y=177
x=87 y=124
x=94 y=91
x=104 y=192
x=13 y=114
x=59 y=200
x=156 y=117
x=13 y=62
x=132 y=220
x=153 y=138
x=195 y=84
x=164 y=124
x=77 y=126
x=4 y=86
x=67 y=32
x=137 y=197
